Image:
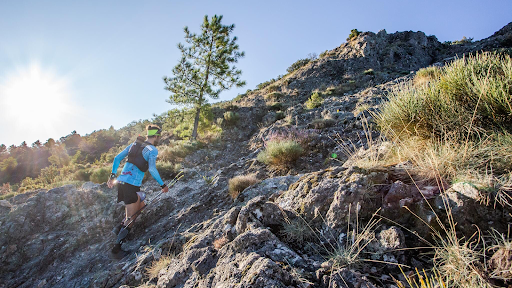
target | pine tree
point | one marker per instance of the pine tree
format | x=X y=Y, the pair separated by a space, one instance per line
x=206 y=66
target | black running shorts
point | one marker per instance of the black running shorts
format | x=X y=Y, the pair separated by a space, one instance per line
x=127 y=193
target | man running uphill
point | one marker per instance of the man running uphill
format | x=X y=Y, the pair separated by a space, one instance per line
x=141 y=158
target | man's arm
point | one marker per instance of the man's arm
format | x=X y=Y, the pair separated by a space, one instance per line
x=117 y=161
x=119 y=158
x=152 y=168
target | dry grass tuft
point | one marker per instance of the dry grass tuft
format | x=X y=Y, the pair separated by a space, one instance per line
x=239 y=183
x=156 y=266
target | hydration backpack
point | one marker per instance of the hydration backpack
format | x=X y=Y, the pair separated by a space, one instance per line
x=135 y=154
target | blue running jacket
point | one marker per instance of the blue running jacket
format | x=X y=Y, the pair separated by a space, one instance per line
x=131 y=174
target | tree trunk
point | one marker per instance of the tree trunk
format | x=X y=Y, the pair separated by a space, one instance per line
x=196 y=123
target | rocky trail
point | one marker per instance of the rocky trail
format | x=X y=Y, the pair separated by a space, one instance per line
x=280 y=232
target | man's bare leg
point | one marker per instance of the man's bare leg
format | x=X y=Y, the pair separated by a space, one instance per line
x=131 y=209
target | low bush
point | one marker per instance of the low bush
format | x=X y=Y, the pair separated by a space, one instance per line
x=275 y=106
x=314 y=101
x=279 y=153
x=353 y=34
x=82 y=175
x=460 y=123
x=369 y=72
x=100 y=175
x=239 y=183
x=297 y=65
x=231 y=117
x=280 y=115
x=177 y=150
x=167 y=170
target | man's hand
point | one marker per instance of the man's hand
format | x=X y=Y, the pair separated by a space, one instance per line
x=165 y=189
x=110 y=182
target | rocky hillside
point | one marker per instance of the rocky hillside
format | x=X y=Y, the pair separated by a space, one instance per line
x=292 y=227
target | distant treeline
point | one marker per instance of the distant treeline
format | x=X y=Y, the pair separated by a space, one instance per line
x=20 y=162
x=88 y=158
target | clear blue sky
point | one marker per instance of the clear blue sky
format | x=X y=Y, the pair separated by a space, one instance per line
x=91 y=64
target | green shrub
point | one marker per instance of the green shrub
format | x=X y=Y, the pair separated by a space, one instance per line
x=82 y=175
x=461 y=122
x=100 y=175
x=239 y=183
x=280 y=115
x=231 y=117
x=298 y=64
x=272 y=88
x=177 y=150
x=353 y=34
x=7 y=196
x=166 y=169
x=464 y=40
x=278 y=153
x=472 y=95
x=275 y=106
x=314 y=101
x=369 y=72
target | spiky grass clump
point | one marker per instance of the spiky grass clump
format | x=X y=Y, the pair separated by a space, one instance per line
x=427 y=75
x=350 y=253
x=473 y=95
x=239 y=183
x=464 y=114
x=501 y=262
x=155 y=267
x=297 y=231
x=281 y=153
x=423 y=281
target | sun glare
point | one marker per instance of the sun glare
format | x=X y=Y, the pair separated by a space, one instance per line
x=36 y=100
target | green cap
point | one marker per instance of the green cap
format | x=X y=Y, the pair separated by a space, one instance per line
x=155 y=132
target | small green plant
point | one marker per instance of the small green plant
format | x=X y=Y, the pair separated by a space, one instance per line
x=237 y=184
x=323 y=54
x=369 y=72
x=297 y=65
x=275 y=106
x=231 y=117
x=464 y=40
x=353 y=34
x=280 y=115
x=167 y=169
x=82 y=175
x=357 y=238
x=279 y=153
x=177 y=150
x=314 y=101
x=297 y=231
x=100 y=175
